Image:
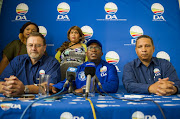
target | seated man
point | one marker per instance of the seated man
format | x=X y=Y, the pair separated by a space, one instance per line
x=106 y=73
x=22 y=72
x=148 y=74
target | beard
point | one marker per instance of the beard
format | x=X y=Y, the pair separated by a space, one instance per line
x=35 y=56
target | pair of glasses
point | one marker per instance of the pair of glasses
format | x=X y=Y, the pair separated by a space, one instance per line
x=35 y=45
x=96 y=48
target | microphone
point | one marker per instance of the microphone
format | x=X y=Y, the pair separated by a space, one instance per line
x=89 y=72
x=70 y=75
x=98 y=82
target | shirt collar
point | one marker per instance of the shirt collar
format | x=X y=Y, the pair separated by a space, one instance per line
x=40 y=61
x=153 y=60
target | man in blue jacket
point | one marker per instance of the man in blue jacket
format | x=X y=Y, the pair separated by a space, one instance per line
x=106 y=73
x=148 y=74
x=20 y=76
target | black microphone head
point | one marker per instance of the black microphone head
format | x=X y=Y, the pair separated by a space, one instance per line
x=90 y=69
x=71 y=77
x=71 y=73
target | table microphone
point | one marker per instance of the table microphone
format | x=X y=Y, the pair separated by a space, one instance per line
x=70 y=75
x=89 y=72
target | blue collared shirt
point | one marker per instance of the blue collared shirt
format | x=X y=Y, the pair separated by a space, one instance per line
x=22 y=68
x=106 y=73
x=137 y=77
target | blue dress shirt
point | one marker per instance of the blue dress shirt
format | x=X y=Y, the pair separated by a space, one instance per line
x=22 y=68
x=137 y=77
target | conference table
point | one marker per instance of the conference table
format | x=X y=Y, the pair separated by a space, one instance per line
x=71 y=106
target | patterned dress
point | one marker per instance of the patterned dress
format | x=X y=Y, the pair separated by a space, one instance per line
x=71 y=58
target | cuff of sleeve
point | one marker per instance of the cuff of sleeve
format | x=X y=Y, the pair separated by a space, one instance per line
x=178 y=90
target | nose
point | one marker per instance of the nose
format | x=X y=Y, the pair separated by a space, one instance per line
x=31 y=30
x=144 y=49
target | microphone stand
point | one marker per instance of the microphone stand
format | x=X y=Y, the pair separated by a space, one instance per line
x=70 y=89
x=96 y=90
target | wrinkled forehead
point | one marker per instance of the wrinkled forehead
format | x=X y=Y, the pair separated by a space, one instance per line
x=34 y=39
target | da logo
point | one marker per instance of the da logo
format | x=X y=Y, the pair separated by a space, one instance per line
x=63 y=8
x=21 y=10
x=68 y=115
x=163 y=55
x=87 y=31
x=158 y=10
x=135 y=31
x=140 y=115
x=42 y=30
x=157 y=72
x=7 y=106
x=111 y=9
x=113 y=58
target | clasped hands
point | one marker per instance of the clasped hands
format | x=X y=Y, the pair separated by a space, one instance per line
x=163 y=87
x=12 y=87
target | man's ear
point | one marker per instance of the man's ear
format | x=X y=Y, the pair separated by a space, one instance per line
x=102 y=54
x=153 y=48
x=45 y=48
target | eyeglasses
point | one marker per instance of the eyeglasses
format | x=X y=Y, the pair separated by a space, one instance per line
x=96 y=48
x=35 y=45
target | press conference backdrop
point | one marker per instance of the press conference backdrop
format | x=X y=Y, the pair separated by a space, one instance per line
x=115 y=23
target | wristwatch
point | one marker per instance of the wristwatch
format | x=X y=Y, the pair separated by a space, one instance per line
x=26 y=89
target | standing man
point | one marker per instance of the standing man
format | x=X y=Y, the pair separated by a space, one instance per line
x=20 y=76
x=148 y=74
x=106 y=73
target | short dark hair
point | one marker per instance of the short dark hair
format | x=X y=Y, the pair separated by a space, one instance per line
x=27 y=24
x=37 y=34
x=145 y=36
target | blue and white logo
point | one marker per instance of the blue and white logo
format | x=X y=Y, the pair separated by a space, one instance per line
x=81 y=76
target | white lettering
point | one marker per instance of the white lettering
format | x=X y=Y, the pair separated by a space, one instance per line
x=158 y=18
x=76 y=117
x=103 y=74
x=108 y=16
x=62 y=17
x=133 y=41
x=149 y=117
x=18 y=17
x=15 y=106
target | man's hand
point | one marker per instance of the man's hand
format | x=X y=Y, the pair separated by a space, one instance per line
x=12 y=86
x=166 y=87
x=163 y=87
x=80 y=90
x=52 y=88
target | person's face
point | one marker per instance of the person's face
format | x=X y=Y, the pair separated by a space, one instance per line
x=35 y=47
x=74 y=36
x=94 y=52
x=144 y=49
x=29 y=29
